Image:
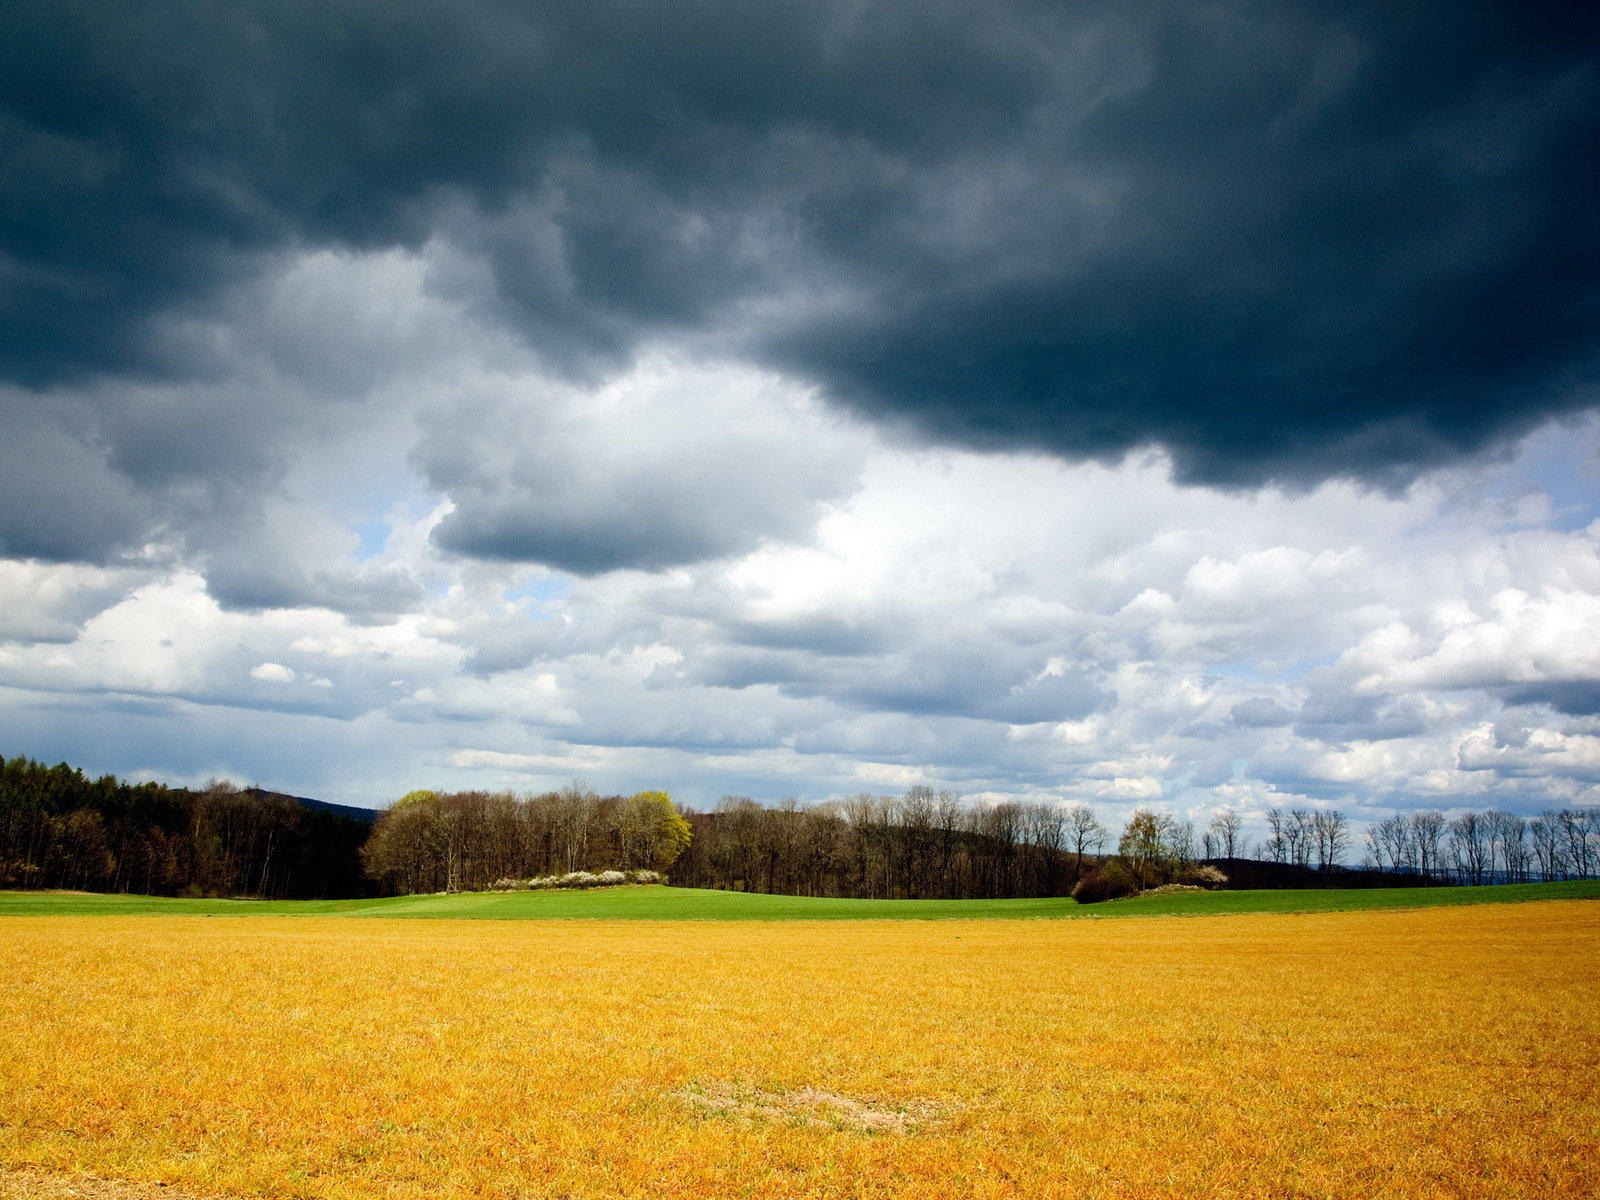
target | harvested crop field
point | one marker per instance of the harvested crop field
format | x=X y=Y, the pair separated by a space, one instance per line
x=1447 y=1052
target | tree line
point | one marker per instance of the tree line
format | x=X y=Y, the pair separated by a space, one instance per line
x=933 y=845
x=925 y=844
x=1490 y=847
x=61 y=829
x=1472 y=848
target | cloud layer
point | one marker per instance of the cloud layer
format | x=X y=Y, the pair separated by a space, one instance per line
x=1177 y=405
x=1003 y=625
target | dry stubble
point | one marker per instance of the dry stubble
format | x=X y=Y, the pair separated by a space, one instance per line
x=1439 y=1053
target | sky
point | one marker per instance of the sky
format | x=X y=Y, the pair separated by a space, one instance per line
x=1168 y=404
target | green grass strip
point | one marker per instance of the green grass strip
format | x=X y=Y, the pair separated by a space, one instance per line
x=692 y=904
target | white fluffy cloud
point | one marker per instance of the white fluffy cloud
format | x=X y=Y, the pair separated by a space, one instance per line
x=1511 y=637
x=667 y=465
x=432 y=563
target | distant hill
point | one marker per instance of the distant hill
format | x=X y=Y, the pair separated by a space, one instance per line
x=367 y=815
x=1251 y=874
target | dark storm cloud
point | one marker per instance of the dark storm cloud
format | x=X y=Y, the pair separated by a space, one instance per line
x=1577 y=698
x=1283 y=240
x=60 y=500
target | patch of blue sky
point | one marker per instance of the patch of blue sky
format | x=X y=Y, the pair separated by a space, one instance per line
x=1301 y=667
x=373 y=508
x=1233 y=670
x=1552 y=481
x=1563 y=461
x=541 y=589
x=374 y=536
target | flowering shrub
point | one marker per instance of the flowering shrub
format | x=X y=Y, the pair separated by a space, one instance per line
x=1172 y=889
x=577 y=879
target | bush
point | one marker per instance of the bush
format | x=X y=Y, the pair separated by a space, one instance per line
x=1202 y=875
x=1108 y=881
x=577 y=879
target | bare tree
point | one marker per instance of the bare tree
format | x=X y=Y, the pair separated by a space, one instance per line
x=1518 y=859
x=950 y=819
x=1388 y=841
x=917 y=838
x=1276 y=846
x=1085 y=834
x=576 y=807
x=1181 y=840
x=1331 y=833
x=1045 y=830
x=737 y=849
x=863 y=812
x=1000 y=826
x=1469 y=846
x=1427 y=835
x=822 y=849
x=1580 y=831
x=1224 y=831
x=1549 y=846
x=1298 y=836
x=1507 y=838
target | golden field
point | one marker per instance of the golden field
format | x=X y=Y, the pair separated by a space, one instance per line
x=1451 y=1052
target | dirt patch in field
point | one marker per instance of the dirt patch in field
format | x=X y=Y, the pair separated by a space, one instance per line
x=813 y=1107
x=35 y=1185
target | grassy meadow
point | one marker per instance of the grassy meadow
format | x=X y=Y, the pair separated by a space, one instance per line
x=1426 y=1052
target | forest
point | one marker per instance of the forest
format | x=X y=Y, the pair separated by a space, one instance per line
x=469 y=841
x=925 y=845
x=61 y=829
